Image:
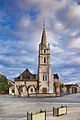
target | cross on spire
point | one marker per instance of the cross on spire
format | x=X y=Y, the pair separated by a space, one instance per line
x=44 y=23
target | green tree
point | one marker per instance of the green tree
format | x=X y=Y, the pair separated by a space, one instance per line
x=3 y=84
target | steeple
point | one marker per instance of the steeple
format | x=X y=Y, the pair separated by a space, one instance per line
x=44 y=66
x=44 y=40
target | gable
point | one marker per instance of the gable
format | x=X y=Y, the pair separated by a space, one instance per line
x=26 y=75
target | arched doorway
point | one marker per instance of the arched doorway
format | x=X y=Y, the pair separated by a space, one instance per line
x=31 y=89
x=44 y=90
x=21 y=91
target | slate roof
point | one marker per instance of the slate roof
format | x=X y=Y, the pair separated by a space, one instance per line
x=56 y=76
x=26 y=75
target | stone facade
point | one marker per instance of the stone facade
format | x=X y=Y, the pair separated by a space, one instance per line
x=44 y=67
x=12 y=87
x=71 y=88
x=26 y=83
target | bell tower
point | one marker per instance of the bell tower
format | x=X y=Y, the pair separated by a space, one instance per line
x=44 y=66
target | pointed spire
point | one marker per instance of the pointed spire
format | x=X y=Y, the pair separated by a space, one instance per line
x=44 y=40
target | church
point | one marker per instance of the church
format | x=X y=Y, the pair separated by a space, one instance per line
x=42 y=83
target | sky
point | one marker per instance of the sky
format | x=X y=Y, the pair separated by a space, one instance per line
x=21 y=24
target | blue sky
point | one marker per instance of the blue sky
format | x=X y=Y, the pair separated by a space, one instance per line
x=21 y=24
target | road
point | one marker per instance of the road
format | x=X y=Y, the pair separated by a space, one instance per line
x=16 y=107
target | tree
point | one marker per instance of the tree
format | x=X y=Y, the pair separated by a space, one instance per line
x=56 y=85
x=3 y=84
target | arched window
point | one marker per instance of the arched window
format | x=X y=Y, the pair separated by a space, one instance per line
x=13 y=91
x=31 y=90
x=44 y=59
x=44 y=51
x=25 y=82
x=43 y=77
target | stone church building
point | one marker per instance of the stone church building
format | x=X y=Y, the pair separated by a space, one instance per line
x=27 y=84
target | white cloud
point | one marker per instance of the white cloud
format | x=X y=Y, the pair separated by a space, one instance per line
x=62 y=21
x=68 y=71
x=52 y=39
x=74 y=43
x=76 y=60
x=59 y=26
x=27 y=59
x=74 y=33
x=73 y=82
x=74 y=12
x=73 y=15
x=24 y=22
x=56 y=50
x=7 y=60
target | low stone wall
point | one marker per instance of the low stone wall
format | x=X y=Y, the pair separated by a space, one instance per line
x=37 y=116
x=59 y=111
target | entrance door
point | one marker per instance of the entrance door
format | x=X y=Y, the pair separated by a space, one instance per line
x=44 y=90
